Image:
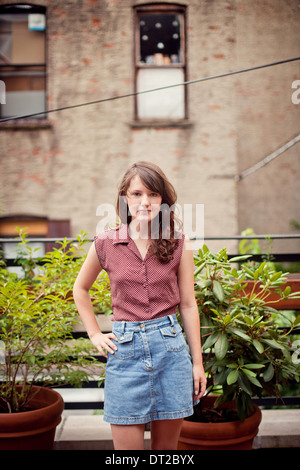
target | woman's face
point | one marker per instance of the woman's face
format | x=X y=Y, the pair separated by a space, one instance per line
x=143 y=203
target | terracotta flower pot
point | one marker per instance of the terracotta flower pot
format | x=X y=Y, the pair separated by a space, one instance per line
x=293 y=282
x=32 y=430
x=235 y=435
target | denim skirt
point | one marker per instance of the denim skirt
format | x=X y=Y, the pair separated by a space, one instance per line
x=149 y=377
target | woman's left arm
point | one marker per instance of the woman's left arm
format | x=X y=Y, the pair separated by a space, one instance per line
x=190 y=316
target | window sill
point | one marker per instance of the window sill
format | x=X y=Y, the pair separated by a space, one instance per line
x=25 y=124
x=160 y=123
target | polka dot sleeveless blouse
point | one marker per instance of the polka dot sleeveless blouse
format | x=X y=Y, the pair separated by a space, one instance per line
x=141 y=289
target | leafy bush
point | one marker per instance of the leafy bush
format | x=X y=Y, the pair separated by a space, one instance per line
x=37 y=317
x=247 y=353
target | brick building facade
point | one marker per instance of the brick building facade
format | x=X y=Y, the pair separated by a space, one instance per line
x=62 y=166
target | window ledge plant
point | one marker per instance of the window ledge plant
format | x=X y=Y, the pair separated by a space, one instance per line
x=247 y=353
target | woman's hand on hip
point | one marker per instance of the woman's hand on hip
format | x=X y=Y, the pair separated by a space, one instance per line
x=102 y=341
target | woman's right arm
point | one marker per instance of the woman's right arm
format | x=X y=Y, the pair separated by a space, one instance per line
x=85 y=279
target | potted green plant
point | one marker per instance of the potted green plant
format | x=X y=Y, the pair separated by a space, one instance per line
x=246 y=353
x=37 y=316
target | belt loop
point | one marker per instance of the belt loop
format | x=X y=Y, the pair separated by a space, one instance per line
x=172 y=323
x=122 y=329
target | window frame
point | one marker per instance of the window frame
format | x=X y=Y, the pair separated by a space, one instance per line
x=36 y=227
x=167 y=8
x=29 y=69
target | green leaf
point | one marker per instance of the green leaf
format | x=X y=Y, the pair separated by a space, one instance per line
x=240 y=333
x=233 y=365
x=232 y=377
x=235 y=273
x=199 y=268
x=241 y=361
x=248 y=271
x=258 y=346
x=216 y=312
x=248 y=320
x=221 y=346
x=249 y=373
x=222 y=255
x=257 y=320
x=244 y=384
x=296 y=321
x=274 y=344
x=254 y=366
x=218 y=291
x=31 y=360
x=261 y=267
x=204 y=284
x=287 y=291
x=276 y=276
x=239 y=258
x=269 y=373
x=220 y=377
x=210 y=341
x=254 y=381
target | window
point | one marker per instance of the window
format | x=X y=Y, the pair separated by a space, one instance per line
x=36 y=228
x=160 y=61
x=23 y=59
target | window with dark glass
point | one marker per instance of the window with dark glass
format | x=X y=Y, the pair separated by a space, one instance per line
x=37 y=228
x=160 y=61
x=160 y=37
x=23 y=59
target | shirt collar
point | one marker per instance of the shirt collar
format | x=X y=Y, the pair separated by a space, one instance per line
x=122 y=235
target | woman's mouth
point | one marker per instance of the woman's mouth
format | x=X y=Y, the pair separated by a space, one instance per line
x=143 y=211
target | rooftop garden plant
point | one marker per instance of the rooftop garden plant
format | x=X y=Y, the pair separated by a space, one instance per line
x=37 y=317
x=247 y=353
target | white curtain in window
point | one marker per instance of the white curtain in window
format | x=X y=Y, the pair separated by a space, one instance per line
x=24 y=102
x=162 y=104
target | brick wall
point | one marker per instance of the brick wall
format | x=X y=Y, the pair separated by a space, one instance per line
x=68 y=168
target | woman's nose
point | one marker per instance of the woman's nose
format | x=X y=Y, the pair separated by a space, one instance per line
x=145 y=200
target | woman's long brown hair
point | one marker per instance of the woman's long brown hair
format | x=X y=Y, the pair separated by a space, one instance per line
x=153 y=177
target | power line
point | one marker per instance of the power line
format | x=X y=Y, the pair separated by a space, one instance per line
x=127 y=95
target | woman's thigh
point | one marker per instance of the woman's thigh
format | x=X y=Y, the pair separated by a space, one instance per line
x=165 y=434
x=128 y=437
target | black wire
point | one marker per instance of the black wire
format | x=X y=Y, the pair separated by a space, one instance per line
x=127 y=95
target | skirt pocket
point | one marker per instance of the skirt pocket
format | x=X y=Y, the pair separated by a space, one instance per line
x=125 y=345
x=173 y=338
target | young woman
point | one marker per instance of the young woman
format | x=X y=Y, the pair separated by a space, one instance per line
x=150 y=374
